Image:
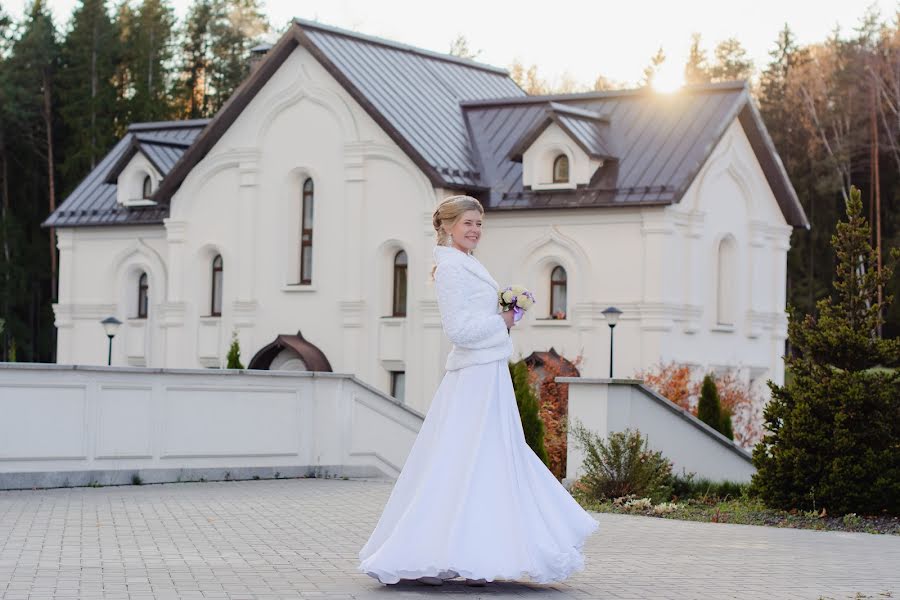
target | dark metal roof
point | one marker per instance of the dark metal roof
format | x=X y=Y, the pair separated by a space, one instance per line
x=413 y=94
x=660 y=143
x=93 y=201
x=463 y=123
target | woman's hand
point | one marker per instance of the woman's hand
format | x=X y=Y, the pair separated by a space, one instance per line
x=509 y=317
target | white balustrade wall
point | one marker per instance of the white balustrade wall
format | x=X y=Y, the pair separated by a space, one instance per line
x=74 y=425
x=605 y=406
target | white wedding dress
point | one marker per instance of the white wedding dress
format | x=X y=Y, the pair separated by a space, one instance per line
x=472 y=499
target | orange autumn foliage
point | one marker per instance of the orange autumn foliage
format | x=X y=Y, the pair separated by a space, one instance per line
x=554 y=403
x=681 y=384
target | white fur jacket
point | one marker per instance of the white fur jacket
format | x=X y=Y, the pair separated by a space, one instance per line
x=470 y=313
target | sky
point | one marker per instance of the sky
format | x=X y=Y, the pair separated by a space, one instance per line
x=580 y=39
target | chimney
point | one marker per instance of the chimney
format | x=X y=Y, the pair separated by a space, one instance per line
x=257 y=54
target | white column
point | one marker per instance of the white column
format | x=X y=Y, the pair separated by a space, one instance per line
x=352 y=305
x=172 y=318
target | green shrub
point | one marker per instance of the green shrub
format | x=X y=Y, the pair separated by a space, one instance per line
x=621 y=465
x=710 y=409
x=685 y=486
x=234 y=353
x=529 y=409
x=833 y=436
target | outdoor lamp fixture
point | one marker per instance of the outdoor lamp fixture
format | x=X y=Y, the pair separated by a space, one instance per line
x=612 y=317
x=110 y=326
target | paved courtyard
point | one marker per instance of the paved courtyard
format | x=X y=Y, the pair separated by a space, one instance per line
x=299 y=538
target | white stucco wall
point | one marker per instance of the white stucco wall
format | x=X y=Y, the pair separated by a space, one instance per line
x=242 y=200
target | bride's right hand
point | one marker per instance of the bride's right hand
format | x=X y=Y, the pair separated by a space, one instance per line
x=508 y=316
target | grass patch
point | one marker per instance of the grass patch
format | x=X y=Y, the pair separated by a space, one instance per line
x=742 y=510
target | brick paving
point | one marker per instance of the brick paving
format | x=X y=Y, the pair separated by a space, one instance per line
x=299 y=538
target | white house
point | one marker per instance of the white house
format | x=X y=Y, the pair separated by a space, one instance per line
x=300 y=218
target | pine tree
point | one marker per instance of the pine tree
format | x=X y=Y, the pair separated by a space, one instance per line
x=696 y=71
x=237 y=26
x=217 y=37
x=833 y=428
x=88 y=109
x=731 y=61
x=529 y=409
x=29 y=184
x=148 y=47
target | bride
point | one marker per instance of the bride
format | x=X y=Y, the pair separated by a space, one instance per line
x=472 y=499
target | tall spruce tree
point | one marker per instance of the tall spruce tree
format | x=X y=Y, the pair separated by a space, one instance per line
x=238 y=25
x=9 y=108
x=731 y=61
x=148 y=53
x=216 y=40
x=696 y=70
x=833 y=429
x=31 y=70
x=90 y=53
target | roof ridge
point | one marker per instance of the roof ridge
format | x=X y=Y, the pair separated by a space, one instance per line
x=721 y=86
x=158 y=141
x=574 y=111
x=373 y=39
x=175 y=124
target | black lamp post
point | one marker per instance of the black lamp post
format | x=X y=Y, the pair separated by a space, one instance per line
x=110 y=326
x=612 y=317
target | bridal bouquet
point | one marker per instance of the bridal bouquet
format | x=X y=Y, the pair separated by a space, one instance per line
x=517 y=299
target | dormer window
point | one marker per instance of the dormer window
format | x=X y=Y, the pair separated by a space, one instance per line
x=147 y=187
x=561 y=169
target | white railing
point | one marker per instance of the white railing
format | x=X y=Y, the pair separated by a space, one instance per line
x=605 y=406
x=74 y=425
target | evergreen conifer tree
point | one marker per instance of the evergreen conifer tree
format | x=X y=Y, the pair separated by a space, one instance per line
x=833 y=429
x=529 y=409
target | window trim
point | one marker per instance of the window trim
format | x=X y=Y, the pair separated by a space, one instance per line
x=559 y=157
x=143 y=299
x=564 y=283
x=214 y=288
x=396 y=309
x=306 y=229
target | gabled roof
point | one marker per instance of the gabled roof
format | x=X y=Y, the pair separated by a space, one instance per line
x=162 y=153
x=465 y=125
x=661 y=143
x=413 y=94
x=93 y=201
x=590 y=130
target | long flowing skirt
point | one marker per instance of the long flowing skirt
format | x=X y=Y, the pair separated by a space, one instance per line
x=472 y=498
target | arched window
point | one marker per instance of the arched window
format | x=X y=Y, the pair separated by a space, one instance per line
x=306 y=233
x=147 y=187
x=726 y=281
x=400 y=265
x=143 y=299
x=561 y=169
x=558 y=285
x=216 y=302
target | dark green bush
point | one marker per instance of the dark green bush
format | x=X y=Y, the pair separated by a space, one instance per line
x=709 y=409
x=621 y=465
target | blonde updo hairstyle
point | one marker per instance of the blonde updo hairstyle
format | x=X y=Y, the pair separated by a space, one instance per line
x=447 y=213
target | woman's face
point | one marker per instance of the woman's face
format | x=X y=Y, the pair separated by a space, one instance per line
x=467 y=230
